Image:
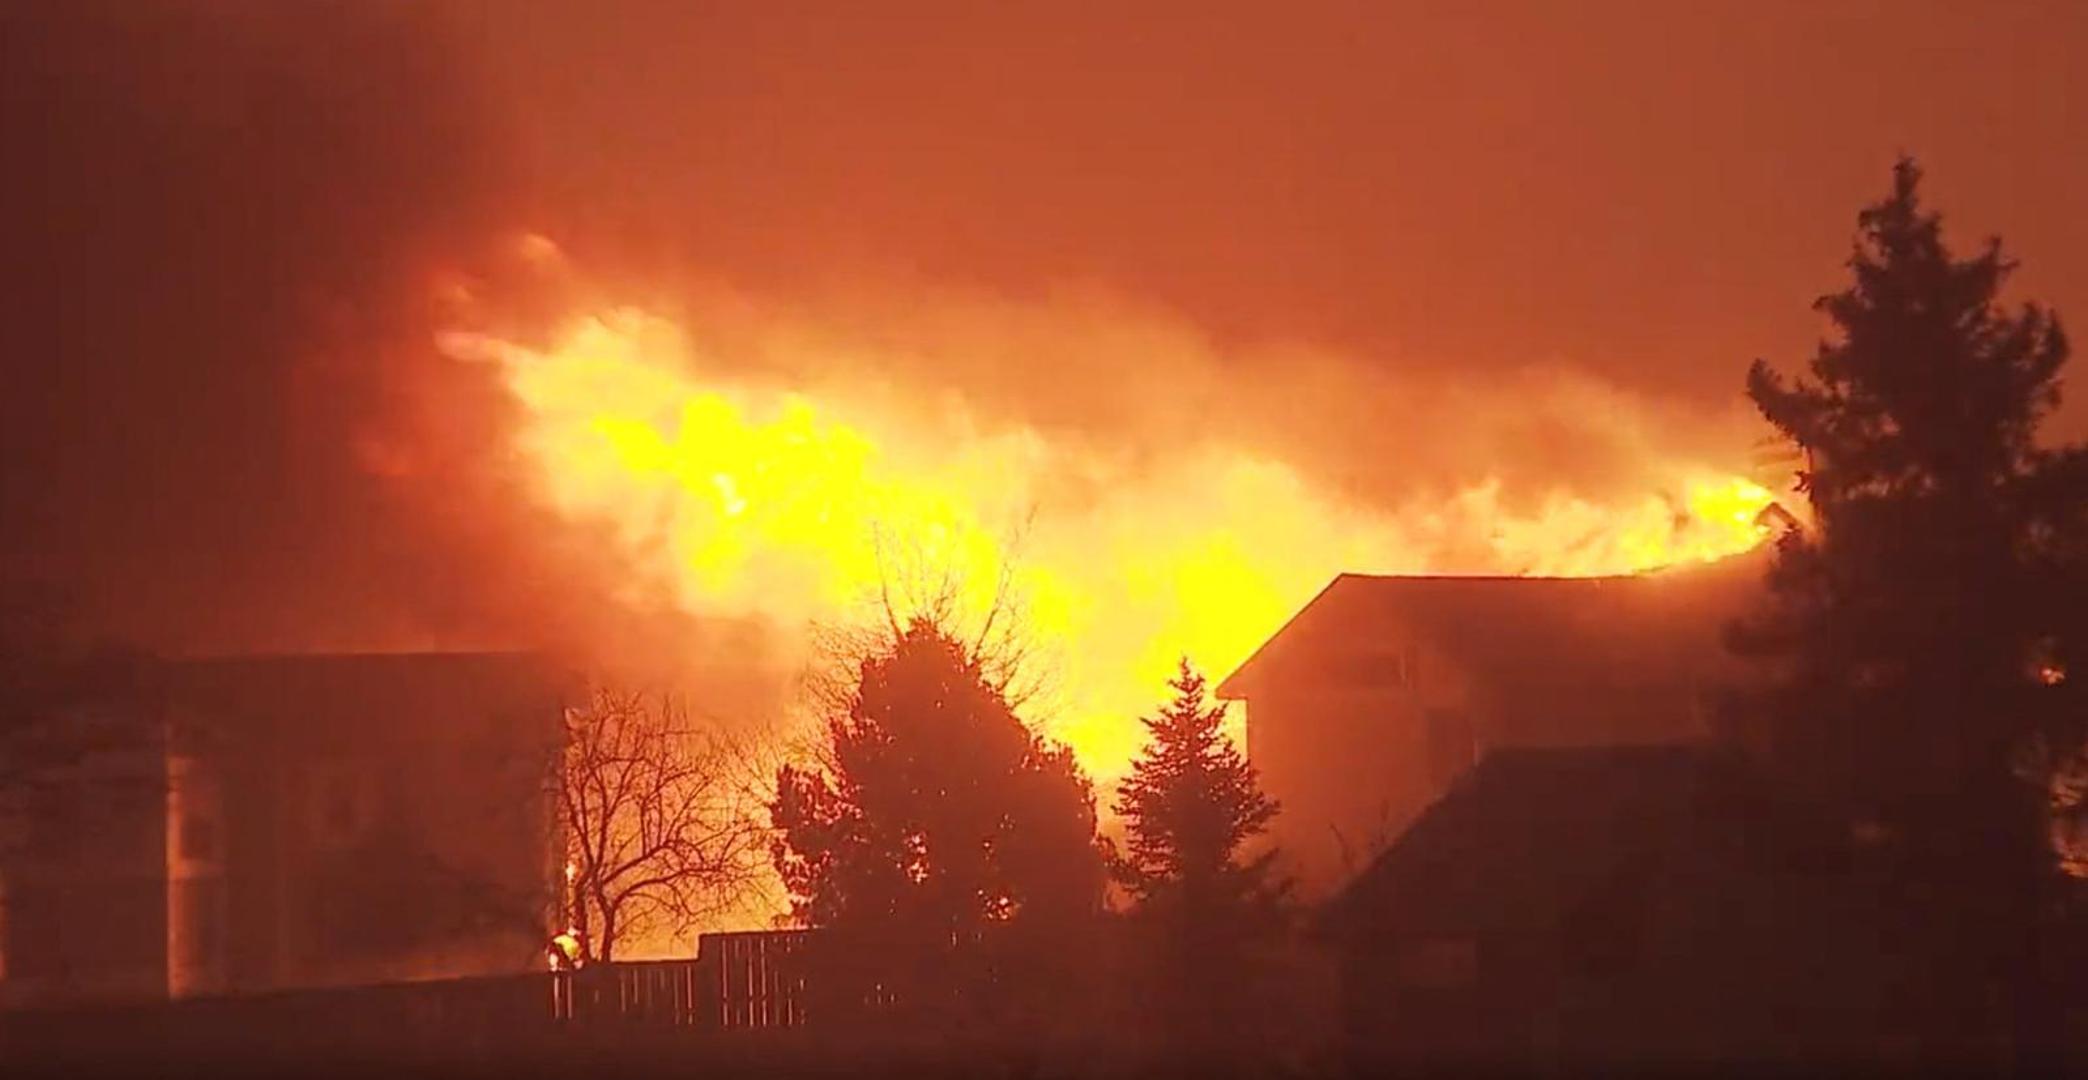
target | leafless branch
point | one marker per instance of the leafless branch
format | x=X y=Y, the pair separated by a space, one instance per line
x=659 y=817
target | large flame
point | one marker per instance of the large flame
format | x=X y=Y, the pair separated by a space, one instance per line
x=743 y=499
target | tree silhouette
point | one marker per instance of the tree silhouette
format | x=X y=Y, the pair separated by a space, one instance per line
x=659 y=827
x=938 y=831
x=1189 y=804
x=1918 y=630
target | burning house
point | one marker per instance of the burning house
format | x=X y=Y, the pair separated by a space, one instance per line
x=1381 y=691
x=294 y=821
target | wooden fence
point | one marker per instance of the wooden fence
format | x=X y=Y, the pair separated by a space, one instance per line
x=739 y=981
x=654 y=993
x=750 y=979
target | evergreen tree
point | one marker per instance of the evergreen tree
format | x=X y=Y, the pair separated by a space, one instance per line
x=1191 y=802
x=1917 y=628
x=945 y=851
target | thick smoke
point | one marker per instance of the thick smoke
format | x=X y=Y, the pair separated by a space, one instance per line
x=227 y=429
x=220 y=220
x=1402 y=255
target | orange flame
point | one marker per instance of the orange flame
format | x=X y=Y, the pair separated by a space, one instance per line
x=745 y=500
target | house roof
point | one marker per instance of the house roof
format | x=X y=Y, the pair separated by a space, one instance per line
x=1525 y=836
x=372 y=697
x=1512 y=625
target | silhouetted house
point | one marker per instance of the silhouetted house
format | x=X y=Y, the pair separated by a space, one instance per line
x=296 y=821
x=1382 y=690
x=1617 y=905
x=83 y=881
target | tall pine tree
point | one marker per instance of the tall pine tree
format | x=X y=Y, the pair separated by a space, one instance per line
x=1190 y=804
x=1915 y=628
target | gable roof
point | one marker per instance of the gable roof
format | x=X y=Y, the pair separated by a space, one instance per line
x=1508 y=625
x=1525 y=836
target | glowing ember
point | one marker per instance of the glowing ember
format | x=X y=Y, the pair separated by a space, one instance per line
x=739 y=499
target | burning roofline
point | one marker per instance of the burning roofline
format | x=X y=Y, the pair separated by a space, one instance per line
x=1233 y=688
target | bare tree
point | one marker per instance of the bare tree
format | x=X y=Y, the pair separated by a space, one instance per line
x=660 y=821
x=1354 y=856
x=915 y=583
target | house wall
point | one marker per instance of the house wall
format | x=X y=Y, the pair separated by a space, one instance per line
x=1345 y=769
x=1354 y=760
x=405 y=845
x=86 y=886
x=401 y=864
x=1597 y=708
x=291 y=822
x=1353 y=757
x=1366 y=706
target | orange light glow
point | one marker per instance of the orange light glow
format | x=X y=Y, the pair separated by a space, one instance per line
x=737 y=498
x=565 y=953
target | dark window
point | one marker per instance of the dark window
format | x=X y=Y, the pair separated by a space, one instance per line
x=1388 y=669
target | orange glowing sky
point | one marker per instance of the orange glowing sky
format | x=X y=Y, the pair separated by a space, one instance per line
x=1217 y=298
x=1649 y=191
x=1178 y=310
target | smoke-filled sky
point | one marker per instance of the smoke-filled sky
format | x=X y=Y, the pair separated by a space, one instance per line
x=1405 y=248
